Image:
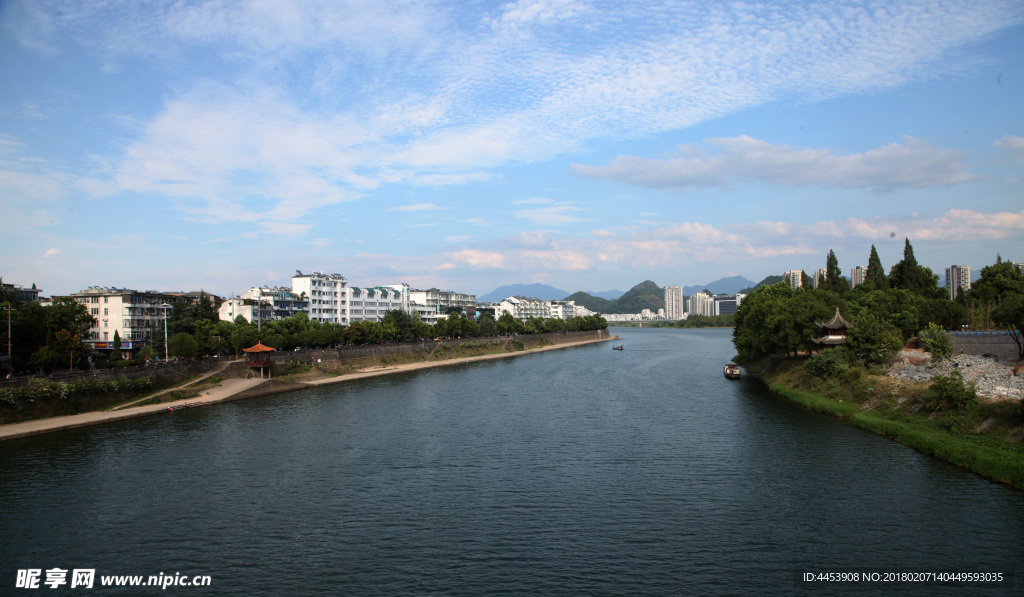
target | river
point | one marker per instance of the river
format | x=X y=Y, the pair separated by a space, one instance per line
x=581 y=471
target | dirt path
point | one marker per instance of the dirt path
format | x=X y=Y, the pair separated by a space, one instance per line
x=218 y=369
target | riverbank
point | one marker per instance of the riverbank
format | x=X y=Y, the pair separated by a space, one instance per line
x=984 y=438
x=237 y=389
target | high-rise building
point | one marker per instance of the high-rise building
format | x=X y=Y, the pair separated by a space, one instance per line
x=701 y=303
x=794 y=278
x=958 y=277
x=674 y=303
x=819 y=277
x=858 y=275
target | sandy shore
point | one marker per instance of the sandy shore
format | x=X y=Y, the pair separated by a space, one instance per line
x=235 y=389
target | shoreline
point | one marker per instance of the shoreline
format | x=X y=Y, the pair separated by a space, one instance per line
x=990 y=462
x=239 y=389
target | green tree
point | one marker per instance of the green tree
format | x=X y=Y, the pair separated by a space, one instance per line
x=935 y=341
x=115 y=354
x=1010 y=316
x=488 y=327
x=834 y=279
x=507 y=323
x=909 y=275
x=68 y=314
x=806 y=280
x=950 y=391
x=183 y=345
x=872 y=339
x=875 y=278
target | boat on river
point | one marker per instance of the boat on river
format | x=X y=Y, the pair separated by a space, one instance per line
x=732 y=371
x=619 y=347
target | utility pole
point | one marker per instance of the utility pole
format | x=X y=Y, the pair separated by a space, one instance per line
x=166 y=352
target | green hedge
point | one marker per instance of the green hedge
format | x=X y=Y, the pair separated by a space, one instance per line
x=44 y=389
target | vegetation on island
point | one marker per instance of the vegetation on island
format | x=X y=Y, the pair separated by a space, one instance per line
x=775 y=325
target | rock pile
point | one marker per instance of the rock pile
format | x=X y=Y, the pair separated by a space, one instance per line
x=991 y=376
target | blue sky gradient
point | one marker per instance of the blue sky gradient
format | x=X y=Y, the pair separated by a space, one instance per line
x=186 y=145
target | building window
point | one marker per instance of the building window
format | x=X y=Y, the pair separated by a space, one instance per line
x=104 y=299
x=105 y=336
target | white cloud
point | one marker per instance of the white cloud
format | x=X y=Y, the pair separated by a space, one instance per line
x=319 y=242
x=51 y=252
x=457 y=239
x=417 y=207
x=549 y=216
x=423 y=225
x=913 y=164
x=1012 y=146
x=418 y=93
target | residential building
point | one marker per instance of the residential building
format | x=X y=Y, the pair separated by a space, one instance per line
x=526 y=307
x=958 y=277
x=701 y=303
x=22 y=295
x=819 y=277
x=442 y=300
x=794 y=278
x=725 y=304
x=332 y=300
x=674 y=306
x=136 y=316
x=858 y=275
x=275 y=302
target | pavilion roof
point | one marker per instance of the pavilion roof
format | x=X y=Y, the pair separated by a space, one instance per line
x=836 y=323
x=259 y=347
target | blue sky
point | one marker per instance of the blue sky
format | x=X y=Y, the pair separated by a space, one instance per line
x=586 y=145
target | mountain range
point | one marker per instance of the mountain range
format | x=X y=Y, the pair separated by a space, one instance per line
x=536 y=290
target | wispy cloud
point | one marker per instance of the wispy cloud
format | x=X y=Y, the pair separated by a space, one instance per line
x=417 y=207
x=913 y=164
x=549 y=216
x=421 y=225
x=404 y=93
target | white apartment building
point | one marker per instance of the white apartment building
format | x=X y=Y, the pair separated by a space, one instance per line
x=525 y=308
x=701 y=303
x=858 y=275
x=819 y=277
x=137 y=317
x=794 y=278
x=442 y=300
x=674 y=306
x=958 y=277
x=233 y=307
x=332 y=300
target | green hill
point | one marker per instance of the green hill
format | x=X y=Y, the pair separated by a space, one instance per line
x=766 y=282
x=594 y=303
x=645 y=295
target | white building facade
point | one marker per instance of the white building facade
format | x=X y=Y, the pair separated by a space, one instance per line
x=794 y=278
x=136 y=316
x=674 y=306
x=958 y=279
x=858 y=275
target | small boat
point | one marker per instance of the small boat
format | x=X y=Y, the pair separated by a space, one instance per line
x=732 y=371
x=619 y=347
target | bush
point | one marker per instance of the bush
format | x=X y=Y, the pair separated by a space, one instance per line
x=828 y=364
x=935 y=341
x=950 y=391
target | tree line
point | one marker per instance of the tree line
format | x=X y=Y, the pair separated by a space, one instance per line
x=48 y=338
x=886 y=310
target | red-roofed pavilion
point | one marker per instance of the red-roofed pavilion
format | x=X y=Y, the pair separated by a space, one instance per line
x=258 y=356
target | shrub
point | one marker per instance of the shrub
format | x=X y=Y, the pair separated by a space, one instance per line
x=950 y=391
x=935 y=341
x=828 y=363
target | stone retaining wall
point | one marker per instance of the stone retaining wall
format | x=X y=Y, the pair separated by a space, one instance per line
x=985 y=342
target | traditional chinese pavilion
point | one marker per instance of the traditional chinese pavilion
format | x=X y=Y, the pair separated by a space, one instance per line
x=258 y=356
x=833 y=331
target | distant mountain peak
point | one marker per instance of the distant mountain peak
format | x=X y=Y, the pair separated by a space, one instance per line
x=535 y=290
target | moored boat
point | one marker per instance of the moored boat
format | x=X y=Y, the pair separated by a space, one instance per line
x=732 y=371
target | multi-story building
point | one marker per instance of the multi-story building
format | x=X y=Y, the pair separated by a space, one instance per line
x=958 y=278
x=819 y=277
x=674 y=306
x=332 y=300
x=22 y=295
x=701 y=303
x=137 y=317
x=794 y=278
x=527 y=307
x=725 y=304
x=858 y=275
x=442 y=300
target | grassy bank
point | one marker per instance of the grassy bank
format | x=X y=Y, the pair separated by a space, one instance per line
x=974 y=437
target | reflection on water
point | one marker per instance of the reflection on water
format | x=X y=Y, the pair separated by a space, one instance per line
x=582 y=471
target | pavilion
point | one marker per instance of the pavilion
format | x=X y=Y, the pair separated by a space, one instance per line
x=833 y=331
x=258 y=356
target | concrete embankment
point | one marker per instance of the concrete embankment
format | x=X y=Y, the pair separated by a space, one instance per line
x=241 y=387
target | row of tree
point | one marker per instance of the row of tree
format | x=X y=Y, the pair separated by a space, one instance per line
x=886 y=310
x=45 y=338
